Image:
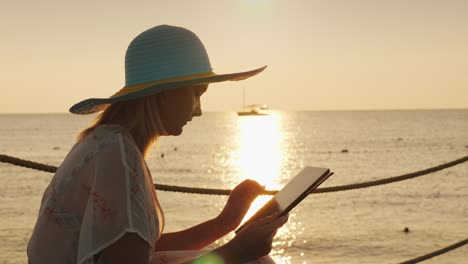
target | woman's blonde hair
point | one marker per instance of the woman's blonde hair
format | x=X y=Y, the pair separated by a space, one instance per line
x=139 y=116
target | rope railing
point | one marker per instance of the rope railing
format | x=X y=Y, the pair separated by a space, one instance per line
x=436 y=253
x=173 y=188
x=163 y=187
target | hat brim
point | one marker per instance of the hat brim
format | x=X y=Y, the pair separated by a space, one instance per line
x=94 y=105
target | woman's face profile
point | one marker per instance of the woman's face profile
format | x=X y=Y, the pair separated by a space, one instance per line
x=179 y=106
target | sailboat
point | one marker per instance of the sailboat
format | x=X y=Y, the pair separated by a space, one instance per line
x=252 y=110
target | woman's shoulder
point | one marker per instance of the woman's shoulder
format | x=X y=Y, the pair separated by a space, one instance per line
x=106 y=144
x=116 y=138
x=110 y=135
x=104 y=140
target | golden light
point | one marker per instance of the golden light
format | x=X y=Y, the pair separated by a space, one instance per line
x=260 y=154
x=259 y=149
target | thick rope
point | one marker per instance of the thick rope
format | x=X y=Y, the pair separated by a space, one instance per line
x=392 y=179
x=172 y=188
x=436 y=253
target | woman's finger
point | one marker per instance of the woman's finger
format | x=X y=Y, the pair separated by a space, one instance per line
x=278 y=222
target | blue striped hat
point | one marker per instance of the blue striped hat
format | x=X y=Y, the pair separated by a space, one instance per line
x=162 y=58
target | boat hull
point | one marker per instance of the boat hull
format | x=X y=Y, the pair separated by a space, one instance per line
x=250 y=113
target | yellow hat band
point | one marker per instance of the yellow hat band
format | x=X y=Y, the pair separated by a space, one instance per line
x=134 y=88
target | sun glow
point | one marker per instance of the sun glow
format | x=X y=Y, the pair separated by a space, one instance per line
x=259 y=149
x=260 y=154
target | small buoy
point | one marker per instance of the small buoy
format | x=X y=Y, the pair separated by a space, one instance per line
x=344 y=151
x=56 y=148
x=406 y=230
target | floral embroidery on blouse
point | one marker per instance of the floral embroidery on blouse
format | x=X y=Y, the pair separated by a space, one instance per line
x=100 y=205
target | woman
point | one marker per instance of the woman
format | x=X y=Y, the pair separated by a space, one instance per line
x=101 y=206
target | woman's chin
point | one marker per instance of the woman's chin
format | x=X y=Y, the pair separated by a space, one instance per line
x=175 y=132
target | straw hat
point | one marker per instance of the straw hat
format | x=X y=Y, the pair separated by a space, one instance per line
x=162 y=58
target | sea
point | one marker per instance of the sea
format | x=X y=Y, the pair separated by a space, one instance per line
x=221 y=149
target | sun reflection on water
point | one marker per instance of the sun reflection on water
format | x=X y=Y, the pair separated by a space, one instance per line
x=259 y=150
x=259 y=154
x=259 y=157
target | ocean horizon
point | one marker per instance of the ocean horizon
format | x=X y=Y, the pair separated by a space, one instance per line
x=233 y=111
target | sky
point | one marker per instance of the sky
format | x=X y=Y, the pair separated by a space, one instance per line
x=321 y=55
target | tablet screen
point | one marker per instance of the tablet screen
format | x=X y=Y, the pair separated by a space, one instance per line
x=292 y=193
x=299 y=185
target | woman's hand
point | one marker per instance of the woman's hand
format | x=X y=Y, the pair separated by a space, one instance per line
x=254 y=241
x=201 y=235
x=239 y=203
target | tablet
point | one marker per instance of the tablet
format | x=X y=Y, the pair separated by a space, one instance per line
x=292 y=193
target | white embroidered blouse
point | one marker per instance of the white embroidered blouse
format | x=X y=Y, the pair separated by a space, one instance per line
x=102 y=190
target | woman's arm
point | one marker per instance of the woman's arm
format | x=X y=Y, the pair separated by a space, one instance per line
x=196 y=237
x=201 y=235
x=130 y=248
